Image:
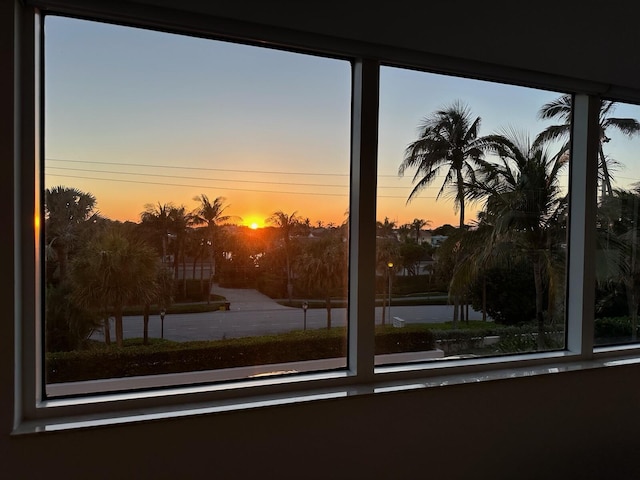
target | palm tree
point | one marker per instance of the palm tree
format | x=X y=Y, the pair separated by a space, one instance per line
x=114 y=270
x=210 y=214
x=180 y=225
x=523 y=197
x=323 y=269
x=448 y=143
x=561 y=108
x=386 y=228
x=417 y=225
x=156 y=218
x=286 y=224
x=66 y=211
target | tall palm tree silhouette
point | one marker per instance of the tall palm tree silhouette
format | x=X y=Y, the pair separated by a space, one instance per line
x=523 y=196
x=286 y=224
x=560 y=109
x=448 y=143
x=210 y=214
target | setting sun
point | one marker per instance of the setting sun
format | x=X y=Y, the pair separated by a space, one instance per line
x=253 y=222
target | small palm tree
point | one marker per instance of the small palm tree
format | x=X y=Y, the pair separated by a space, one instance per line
x=323 y=269
x=112 y=271
x=156 y=218
x=210 y=214
x=180 y=226
x=286 y=223
x=448 y=143
x=66 y=211
x=386 y=228
x=417 y=225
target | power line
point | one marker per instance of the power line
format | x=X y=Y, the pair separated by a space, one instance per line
x=226 y=188
x=199 y=178
x=213 y=179
x=266 y=172
x=196 y=168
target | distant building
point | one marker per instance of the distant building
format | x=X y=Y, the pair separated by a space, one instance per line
x=424 y=237
x=436 y=240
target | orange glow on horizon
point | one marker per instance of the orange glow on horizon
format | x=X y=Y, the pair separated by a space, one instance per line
x=122 y=208
x=126 y=204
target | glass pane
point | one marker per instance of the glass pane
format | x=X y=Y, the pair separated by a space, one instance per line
x=195 y=200
x=471 y=218
x=617 y=267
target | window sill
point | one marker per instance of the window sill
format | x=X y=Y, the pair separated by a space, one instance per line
x=517 y=367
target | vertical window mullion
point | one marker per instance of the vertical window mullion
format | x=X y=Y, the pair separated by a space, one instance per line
x=582 y=225
x=362 y=212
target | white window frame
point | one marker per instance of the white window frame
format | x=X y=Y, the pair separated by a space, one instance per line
x=35 y=413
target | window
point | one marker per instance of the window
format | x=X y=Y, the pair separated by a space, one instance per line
x=475 y=261
x=164 y=124
x=617 y=279
x=195 y=203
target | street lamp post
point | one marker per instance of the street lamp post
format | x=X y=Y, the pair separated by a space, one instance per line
x=390 y=265
x=305 y=305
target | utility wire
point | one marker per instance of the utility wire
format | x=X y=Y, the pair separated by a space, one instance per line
x=226 y=188
x=145 y=165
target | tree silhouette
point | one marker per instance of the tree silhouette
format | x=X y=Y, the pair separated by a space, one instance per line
x=286 y=223
x=322 y=268
x=523 y=197
x=561 y=109
x=211 y=214
x=67 y=212
x=113 y=270
x=447 y=143
x=417 y=225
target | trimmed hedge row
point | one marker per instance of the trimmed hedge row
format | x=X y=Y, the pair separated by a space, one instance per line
x=613 y=330
x=174 y=357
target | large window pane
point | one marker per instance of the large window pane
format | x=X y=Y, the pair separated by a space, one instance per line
x=471 y=217
x=195 y=199
x=618 y=268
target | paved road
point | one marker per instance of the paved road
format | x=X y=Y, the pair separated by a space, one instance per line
x=253 y=313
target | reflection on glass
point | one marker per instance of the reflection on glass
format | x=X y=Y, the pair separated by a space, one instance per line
x=195 y=198
x=617 y=267
x=472 y=212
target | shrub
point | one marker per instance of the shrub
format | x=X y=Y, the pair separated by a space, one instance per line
x=612 y=327
x=173 y=357
x=510 y=294
x=412 y=338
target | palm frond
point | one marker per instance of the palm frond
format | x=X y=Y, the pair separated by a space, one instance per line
x=559 y=108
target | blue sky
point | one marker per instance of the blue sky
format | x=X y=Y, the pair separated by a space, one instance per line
x=136 y=117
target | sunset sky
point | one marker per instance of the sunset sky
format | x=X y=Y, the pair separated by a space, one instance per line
x=137 y=117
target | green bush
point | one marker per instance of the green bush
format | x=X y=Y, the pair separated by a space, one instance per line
x=405 y=285
x=412 y=338
x=163 y=356
x=612 y=328
x=510 y=293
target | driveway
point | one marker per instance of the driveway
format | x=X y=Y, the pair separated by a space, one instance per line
x=247 y=299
